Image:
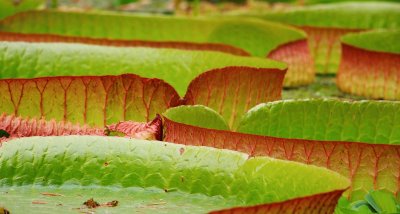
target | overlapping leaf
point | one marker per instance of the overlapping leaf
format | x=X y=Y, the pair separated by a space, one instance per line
x=65 y=80
x=325 y=24
x=358 y=140
x=237 y=36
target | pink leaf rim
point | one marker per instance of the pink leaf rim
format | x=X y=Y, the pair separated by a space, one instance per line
x=368 y=166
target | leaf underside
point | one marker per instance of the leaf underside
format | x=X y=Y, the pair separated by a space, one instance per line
x=324 y=24
x=295 y=54
x=206 y=78
x=249 y=35
x=324 y=44
x=377 y=78
x=21 y=37
x=77 y=160
x=369 y=165
x=348 y=15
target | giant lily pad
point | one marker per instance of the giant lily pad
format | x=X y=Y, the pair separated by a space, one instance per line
x=325 y=24
x=128 y=83
x=377 y=77
x=147 y=176
x=237 y=36
x=357 y=139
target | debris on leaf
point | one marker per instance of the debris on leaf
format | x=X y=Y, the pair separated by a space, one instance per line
x=50 y=194
x=94 y=204
x=39 y=202
x=91 y=203
x=111 y=204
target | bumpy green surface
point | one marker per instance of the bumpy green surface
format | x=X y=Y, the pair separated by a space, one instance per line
x=197 y=115
x=253 y=36
x=349 y=15
x=380 y=40
x=18 y=200
x=73 y=161
x=10 y=7
x=334 y=120
x=176 y=67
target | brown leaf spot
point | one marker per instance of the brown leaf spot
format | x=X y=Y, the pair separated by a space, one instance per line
x=106 y=163
x=91 y=203
x=181 y=150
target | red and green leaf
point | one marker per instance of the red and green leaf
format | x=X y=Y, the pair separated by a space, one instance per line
x=370 y=65
x=367 y=154
x=201 y=178
x=63 y=81
x=236 y=36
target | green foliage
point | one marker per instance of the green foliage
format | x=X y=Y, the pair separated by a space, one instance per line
x=375 y=201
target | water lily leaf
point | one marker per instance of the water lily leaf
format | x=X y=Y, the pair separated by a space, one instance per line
x=357 y=139
x=377 y=40
x=198 y=115
x=376 y=78
x=249 y=35
x=237 y=35
x=109 y=165
x=105 y=80
x=326 y=23
x=329 y=120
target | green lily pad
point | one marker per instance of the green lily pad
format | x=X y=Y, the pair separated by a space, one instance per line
x=249 y=35
x=379 y=40
x=94 y=77
x=105 y=166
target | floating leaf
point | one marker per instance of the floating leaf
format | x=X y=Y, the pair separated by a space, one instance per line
x=226 y=178
x=238 y=36
x=377 y=77
x=325 y=24
x=352 y=138
x=104 y=80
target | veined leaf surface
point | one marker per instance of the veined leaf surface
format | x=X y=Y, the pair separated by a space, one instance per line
x=329 y=120
x=377 y=77
x=253 y=36
x=113 y=164
x=89 y=77
x=359 y=140
x=326 y=23
x=345 y=15
x=234 y=35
